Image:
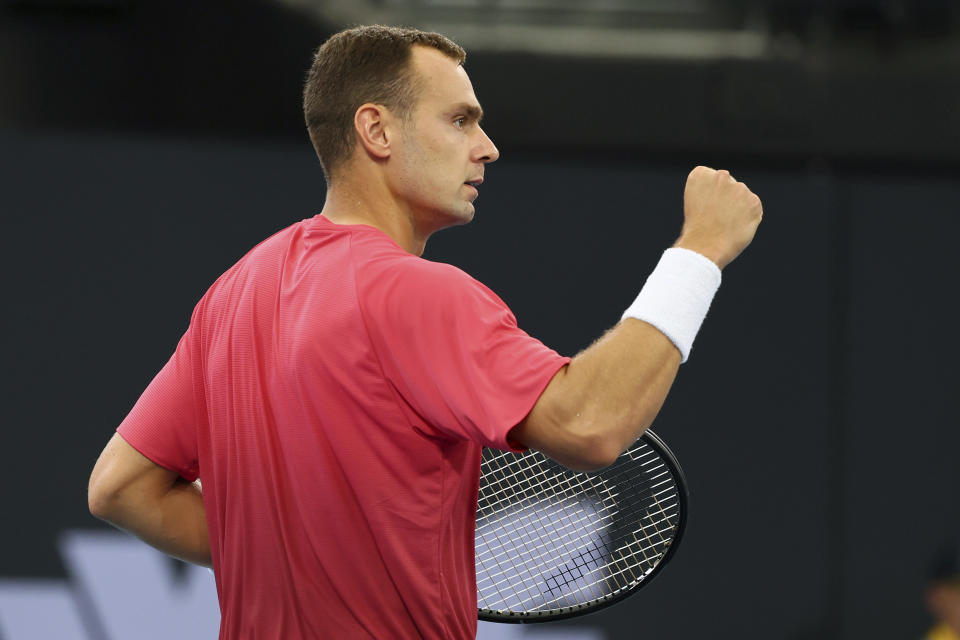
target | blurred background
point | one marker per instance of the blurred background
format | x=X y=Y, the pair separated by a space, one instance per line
x=145 y=146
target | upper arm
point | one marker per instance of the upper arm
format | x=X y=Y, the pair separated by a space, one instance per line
x=604 y=399
x=123 y=475
x=452 y=350
x=163 y=423
x=552 y=428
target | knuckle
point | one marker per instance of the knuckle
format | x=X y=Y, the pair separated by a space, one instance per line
x=701 y=170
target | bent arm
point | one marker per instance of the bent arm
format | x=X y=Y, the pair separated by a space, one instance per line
x=604 y=399
x=607 y=396
x=153 y=503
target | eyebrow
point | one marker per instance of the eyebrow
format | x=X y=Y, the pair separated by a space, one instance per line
x=472 y=111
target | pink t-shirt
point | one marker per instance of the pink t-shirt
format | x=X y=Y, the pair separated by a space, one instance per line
x=333 y=392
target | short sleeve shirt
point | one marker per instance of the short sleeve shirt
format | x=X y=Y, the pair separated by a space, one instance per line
x=333 y=392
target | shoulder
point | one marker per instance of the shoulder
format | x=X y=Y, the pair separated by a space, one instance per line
x=263 y=258
x=261 y=264
x=409 y=275
x=408 y=287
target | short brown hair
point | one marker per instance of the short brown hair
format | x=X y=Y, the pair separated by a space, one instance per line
x=356 y=66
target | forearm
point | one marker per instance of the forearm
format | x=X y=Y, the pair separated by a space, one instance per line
x=153 y=503
x=608 y=395
x=173 y=521
x=619 y=384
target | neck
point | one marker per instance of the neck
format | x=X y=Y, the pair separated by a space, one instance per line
x=368 y=201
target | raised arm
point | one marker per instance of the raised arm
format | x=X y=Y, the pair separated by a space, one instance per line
x=602 y=401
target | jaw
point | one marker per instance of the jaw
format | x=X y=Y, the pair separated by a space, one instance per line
x=459 y=214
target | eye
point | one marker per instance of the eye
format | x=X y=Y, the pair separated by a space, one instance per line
x=460 y=122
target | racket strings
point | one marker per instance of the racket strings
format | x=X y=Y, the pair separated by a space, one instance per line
x=549 y=538
x=528 y=482
x=495 y=474
x=534 y=495
x=536 y=535
x=566 y=496
x=609 y=581
x=623 y=563
x=619 y=572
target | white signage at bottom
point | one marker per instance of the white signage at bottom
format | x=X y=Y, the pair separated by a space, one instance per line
x=121 y=589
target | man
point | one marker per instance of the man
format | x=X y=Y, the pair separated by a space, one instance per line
x=334 y=389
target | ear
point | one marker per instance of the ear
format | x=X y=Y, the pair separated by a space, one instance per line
x=371 y=122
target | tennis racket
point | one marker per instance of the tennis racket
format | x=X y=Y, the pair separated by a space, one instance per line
x=553 y=543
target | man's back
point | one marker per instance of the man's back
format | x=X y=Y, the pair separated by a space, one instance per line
x=338 y=461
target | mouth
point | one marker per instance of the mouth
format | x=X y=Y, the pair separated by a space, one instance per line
x=474 y=183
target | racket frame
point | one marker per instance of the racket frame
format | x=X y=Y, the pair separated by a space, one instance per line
x=654 y=441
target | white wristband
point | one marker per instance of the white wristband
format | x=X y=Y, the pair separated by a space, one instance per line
x=677 y=295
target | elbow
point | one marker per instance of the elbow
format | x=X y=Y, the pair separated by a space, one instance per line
x=601 y=437
x=597 y=441
x=101 y=499
x=577 y=445
x=98 y=503
x=591 y=453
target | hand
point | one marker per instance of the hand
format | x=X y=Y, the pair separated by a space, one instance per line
x=721 y=215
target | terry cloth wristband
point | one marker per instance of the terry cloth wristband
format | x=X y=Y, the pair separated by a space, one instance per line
x=677 y=295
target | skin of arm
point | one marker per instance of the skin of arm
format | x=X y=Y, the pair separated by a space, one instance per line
x=607 y=396
x=601 y=402
x=153 y=503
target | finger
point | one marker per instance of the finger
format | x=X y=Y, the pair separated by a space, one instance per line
x=700 y=170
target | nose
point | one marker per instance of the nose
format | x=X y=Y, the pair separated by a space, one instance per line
x=486 y=150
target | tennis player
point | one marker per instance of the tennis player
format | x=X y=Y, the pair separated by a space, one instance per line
x=333 y=389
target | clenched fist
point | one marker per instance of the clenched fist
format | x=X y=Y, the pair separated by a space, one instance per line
x=720 y=215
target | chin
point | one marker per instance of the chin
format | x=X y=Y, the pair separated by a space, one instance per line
x=453 y=216
x=466 y=216
x=460 y=216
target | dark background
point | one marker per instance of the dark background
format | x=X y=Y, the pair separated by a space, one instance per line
x=145 y=146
